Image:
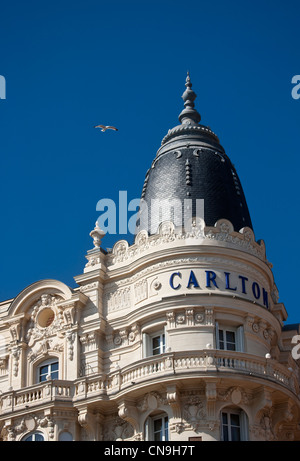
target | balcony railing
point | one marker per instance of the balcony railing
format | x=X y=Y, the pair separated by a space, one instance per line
x=38 y=394
x=203 y=362
x=176 y=364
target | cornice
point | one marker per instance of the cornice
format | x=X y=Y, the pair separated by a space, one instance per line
x=222 y=235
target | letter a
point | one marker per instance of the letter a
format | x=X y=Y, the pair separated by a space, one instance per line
x=192 y=281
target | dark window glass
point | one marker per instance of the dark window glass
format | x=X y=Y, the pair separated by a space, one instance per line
x=37 y=437
x=231 y=427
x=221 y=339
x=230 y=340
x=50 y=369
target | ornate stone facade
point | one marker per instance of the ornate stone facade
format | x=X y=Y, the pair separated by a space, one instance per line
x=109 y=385
x=179 y=335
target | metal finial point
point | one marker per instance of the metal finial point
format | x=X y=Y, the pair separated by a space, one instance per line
x=189 y=115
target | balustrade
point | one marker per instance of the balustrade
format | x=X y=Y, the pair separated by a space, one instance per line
x=154 y=367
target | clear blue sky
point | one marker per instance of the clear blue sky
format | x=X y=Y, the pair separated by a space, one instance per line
x=69 y=65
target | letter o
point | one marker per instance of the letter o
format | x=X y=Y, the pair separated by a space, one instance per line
x=255 y=290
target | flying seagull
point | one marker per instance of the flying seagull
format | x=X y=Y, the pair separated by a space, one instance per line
x=104 y=128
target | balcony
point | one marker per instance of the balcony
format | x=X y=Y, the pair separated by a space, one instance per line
x=39 y=394
x=201 y=363
x=165 y=366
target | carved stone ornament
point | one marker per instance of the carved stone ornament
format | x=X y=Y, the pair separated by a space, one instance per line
x=237 y=395
x=141 y=239
x=46 y=319
x=151 y=401
x=194 y=412
x=222 y=233
x=97 y=234
x=70 y=336
x=118 y=430
x=199 y=318
x=156 y=285
x=117 y=340
x=117 y=300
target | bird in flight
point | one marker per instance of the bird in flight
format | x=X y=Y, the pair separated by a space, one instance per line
x=105 y=127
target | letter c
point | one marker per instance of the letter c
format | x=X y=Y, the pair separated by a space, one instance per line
x=172 y=280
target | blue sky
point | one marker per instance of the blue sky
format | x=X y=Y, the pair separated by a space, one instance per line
x=69 y=65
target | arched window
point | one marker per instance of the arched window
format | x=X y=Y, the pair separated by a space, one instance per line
x=34 y=437
x=48 y=370
x=65 y=436
x=157 y=428
x=234 y=425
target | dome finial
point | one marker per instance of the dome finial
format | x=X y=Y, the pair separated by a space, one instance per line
x=189 y=115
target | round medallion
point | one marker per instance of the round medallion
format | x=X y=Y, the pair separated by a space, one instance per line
x=45 y=317
x=152 y=402
x=236 y=396
x=30 y=423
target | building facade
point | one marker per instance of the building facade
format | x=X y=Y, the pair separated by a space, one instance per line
x=179 y=336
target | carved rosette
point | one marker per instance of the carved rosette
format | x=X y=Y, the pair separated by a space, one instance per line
x=190 y=317
x=259 y=327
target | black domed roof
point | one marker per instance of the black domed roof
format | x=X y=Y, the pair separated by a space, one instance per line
x=190 y=170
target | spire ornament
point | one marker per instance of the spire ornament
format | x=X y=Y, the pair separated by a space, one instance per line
x=97 y=234
x=189 y=115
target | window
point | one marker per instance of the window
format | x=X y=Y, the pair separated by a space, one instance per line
x=161 y=429
x=65 y=436
x=234 y=426
x=157 y=428
x=231 y=430
x=47 y=370
x=230 y=338
x=154 y=343
x=227 y=340
x=158 y=344
x=34 y=437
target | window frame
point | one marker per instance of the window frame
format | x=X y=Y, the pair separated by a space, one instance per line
x=33 y=434
x=150 y=427
x=148 y=337
x=48 y=363
x=239 y=337
x=243 y=424
x=161 y=345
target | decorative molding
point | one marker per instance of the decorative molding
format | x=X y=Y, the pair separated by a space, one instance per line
x=236 y=395
x=140 y=290
x=194 y=411
x=190 y=317
x=36 y=330
x=151 y=401
x=257 y=326
x=89 y=287
x=120 y=299
x=70 y=337
x=119 y=429
x=222 y=232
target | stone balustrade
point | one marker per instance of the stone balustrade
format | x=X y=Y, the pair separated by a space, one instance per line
x=155 y=367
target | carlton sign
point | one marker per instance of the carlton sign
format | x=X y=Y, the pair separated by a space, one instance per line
x=219 y=281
